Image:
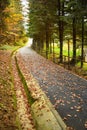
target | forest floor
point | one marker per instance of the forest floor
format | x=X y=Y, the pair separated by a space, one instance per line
x=7 y=107
x=14 y=107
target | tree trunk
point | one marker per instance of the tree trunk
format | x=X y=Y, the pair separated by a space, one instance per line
x=74 y=41
x=61 y=27
x=84 y=3
x=61 y=40
x=50 y=46
x=47 y=41
x=82 y=51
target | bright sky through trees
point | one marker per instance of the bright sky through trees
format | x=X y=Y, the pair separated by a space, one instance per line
x=25 y=11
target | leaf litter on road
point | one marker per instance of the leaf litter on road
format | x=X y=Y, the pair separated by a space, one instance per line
x=59 y=83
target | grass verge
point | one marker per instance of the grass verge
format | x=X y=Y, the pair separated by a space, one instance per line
x=31 y=100
x=14 y=95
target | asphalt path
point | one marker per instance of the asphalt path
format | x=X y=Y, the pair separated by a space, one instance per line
x=66 y=91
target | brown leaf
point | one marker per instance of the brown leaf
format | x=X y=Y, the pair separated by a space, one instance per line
x=85 y=124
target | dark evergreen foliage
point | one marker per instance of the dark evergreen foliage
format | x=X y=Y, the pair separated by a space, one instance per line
x=60 y=18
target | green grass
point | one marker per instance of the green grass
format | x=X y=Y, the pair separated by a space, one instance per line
x=8 y=47
x=56 y=50
x=65 y=50
x=84 y=65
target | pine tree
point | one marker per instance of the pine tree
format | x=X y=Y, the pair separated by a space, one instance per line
x=41 y=15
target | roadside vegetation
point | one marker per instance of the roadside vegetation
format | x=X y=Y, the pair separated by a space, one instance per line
x=60 y=31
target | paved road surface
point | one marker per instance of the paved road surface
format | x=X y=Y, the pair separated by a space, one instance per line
x=66 y=91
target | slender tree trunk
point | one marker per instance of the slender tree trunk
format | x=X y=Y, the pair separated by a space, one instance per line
x=50 y=46
x=68 y=54
x=53 y=52
x=47 y=41
x=82 y=51
x=61 y=40
x=34 y=45
x=61 y=28
x=42 y=44
x=74 y=41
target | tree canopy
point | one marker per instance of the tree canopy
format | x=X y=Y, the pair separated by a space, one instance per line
x=59 y=19
x=11 y=27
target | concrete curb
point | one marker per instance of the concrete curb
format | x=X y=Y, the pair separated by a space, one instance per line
x=43 y=112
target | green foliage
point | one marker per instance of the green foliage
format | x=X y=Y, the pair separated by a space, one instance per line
x=84 y=65
x=7 y=47
x=11 y=27
x=41 y=14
